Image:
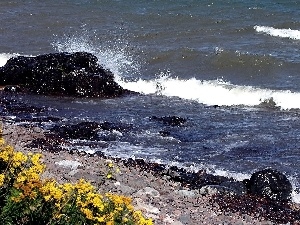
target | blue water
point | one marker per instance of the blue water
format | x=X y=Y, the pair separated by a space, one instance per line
x=183 y=57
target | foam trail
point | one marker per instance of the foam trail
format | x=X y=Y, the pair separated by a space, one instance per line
x=285 y=33
x=213 y=92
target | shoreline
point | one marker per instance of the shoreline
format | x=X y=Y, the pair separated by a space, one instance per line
x=158 y=196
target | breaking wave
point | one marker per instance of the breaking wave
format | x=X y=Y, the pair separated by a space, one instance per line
x=284 y=33
x=214 y=92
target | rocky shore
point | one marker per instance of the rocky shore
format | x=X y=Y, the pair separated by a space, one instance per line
x=159 y=197
x=169 y=195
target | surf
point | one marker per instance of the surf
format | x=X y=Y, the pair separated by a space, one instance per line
x=284 y=33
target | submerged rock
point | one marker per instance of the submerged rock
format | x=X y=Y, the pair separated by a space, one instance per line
x=87 y=130
x=65 y=74
x=170 y=120
x=270 y=184
x=83 y=130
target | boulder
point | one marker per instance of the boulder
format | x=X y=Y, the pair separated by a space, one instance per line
x=64 y=74
x=270 y=184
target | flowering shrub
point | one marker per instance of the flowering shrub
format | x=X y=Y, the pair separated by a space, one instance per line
x=112 y=169
x=27 y=199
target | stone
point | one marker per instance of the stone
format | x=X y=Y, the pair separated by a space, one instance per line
x=186 y=193
x=65 y=74
x=149 y=191
x=236 y=186
x=141 y=205
x=124 y=189
x=216 y=190
x=170 y=120
x=87 y=130
x=83 y=130
x=69 y=164
x=270 y=184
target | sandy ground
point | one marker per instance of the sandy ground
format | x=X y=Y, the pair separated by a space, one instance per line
x=167 y=202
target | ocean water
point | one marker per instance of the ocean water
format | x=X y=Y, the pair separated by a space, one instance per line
x=231 y=68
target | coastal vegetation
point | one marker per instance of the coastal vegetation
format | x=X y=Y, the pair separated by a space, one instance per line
x=26 y=198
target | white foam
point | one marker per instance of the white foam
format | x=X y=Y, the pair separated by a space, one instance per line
x=296 y=191
x=210 y=92
x=236 y=176
x=285 y=33
x=113 y=56
x=6 y=56
x=213 y=92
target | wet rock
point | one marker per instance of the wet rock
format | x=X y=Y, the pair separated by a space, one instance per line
x=115 y=126
x=65 y=74
x=34 y=119
x=21 y=108
x=47 y=144
x=170 y=120
x=12 y=89
x=270 y=184
x=83 y=130
x=164 y=133
x=236 y=186
x=88 y=130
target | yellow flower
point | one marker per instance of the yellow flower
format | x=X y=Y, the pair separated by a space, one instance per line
x=18 y=158
x=109 y=176
x=88 y=213
x=2 y=178
x=2 y=142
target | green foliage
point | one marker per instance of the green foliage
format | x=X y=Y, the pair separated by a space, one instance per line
x=25 y=199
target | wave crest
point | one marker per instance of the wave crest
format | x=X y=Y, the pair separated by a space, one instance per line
x=284 y=33
x=213 y=92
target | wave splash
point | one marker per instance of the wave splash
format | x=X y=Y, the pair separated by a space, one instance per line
x=284 y=33
x=213 y=92
x=118 y=58
x=113 y=54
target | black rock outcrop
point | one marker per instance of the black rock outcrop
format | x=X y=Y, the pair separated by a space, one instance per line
x=65 y=74
x=270 y=184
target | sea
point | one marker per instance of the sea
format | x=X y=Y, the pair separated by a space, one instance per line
x=231 y=68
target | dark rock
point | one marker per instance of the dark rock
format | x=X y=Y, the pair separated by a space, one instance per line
x=12 y=89
x=41 y=119
x=88 y=130
x=170 y=120
x=236 y=186
x=65 y=74
x=164 y=133
x=18 y=108
x=115 y=126
x=47 y=144
x=83 y=130
x=262 y=208
x=270 y=184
